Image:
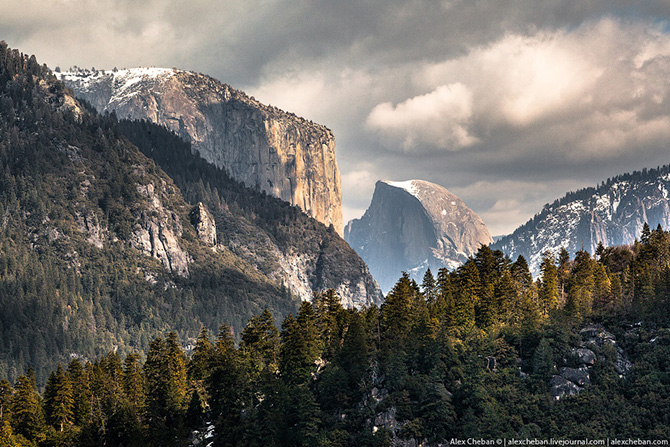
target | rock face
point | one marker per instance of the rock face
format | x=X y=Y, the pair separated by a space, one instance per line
x=157 y=233
x=262 y=146
x=612 y=213
x=412 y=226
x=204 y=224
x=269 y=235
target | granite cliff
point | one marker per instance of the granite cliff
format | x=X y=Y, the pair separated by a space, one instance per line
x=412 y=226
x=277 y=152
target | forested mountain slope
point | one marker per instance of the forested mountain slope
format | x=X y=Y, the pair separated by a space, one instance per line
x=480 y=353
x=99 y=250
x=278 y=239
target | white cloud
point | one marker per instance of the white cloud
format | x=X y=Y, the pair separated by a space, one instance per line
x=589 y=93
x=437 y=119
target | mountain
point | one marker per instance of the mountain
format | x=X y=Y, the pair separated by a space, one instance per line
x=266 y=148
x=101 y=250
x=275 y=237
x=612 y=213
x=412 y=226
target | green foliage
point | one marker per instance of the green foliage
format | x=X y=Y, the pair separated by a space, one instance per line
x=67 y=176
x=468 y=354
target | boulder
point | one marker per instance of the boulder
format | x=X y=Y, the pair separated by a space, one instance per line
x=584 y=356
x=579 y=376
x=560 y=387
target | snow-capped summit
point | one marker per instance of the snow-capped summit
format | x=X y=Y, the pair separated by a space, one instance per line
x=112 y=88
x=412 y=226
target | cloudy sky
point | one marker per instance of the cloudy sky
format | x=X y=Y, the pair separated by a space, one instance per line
x=508 y=104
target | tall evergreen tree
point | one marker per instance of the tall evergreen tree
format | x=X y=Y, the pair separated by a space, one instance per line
x=133 y=384
x=260 y=343
x=467 y=296
x=26 y=408
x=548 y=292
x=300 y=346
x=399 y=309
x=429 y=287
x=201 y=359
x=81 y=408
x=58 y=400
x=5 y=399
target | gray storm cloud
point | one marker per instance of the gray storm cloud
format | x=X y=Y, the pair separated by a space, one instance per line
x=507 y=104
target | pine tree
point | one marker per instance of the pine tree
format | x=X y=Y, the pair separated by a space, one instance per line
x=201 y=359
x=399 y=309
x=227 y=386
x=521 y=274
x=5 y=399
x=300 y=346
x=548 y=292
x=133 y=384
x=26 y=408
x=58 y=400
x=563 y=274
x=467 y=295
x=441 y=308
x=582 y=284
x=645 y=234
x=353 y=357
x=428 y=287
x=81 y=407
x=260 y=343
x=176 y=370
x=330 y=320
x=160 y=397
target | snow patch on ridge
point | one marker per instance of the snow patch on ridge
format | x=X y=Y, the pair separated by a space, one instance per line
x=123 y=82
x=409 y=186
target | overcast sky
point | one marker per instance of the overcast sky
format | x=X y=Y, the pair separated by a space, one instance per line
x=508 y=104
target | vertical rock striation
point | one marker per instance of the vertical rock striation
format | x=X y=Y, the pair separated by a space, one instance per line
x=262 y=146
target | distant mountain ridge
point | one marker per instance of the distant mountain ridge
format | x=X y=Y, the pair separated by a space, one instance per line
x=264 y=147
x=612 y=213
x=412 y=226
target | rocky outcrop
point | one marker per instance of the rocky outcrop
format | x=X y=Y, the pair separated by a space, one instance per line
x=584 y=356
x=560 y=387
x=578 y=376
x=412 y=226
x=203 y=222
x=262 y=146
x=573 y=379
x=88 y=223
x=612 y=213
x=596 y=336
x=157 y=232
x=325 y=266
